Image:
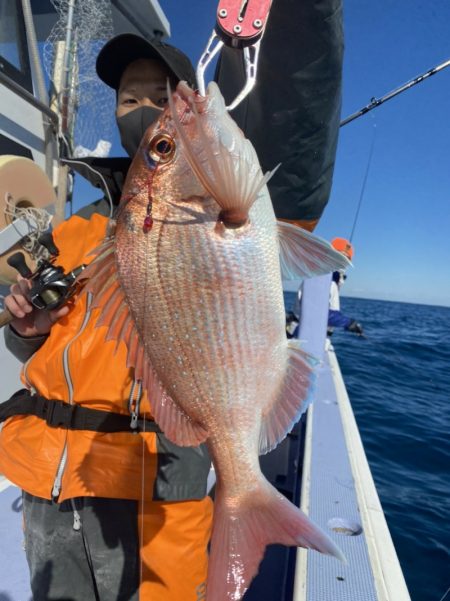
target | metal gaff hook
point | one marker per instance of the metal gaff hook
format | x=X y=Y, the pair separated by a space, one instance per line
x=240 y=24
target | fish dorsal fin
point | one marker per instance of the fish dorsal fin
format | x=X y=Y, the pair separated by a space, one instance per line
x=292 y=400
x=228 y=171
x=303 y=255
x=109 y=298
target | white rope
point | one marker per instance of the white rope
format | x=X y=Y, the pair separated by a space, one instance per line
x=39 y=216
x=141 y=553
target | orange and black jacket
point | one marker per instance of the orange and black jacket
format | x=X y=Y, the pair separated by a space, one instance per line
x=75 y=364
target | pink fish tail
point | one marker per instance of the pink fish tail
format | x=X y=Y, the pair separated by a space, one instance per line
x=240 y=536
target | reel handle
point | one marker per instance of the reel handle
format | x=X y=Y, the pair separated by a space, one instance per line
x=47 y=241
x=17 y=261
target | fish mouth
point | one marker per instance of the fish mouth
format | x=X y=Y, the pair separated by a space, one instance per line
x=190 y=97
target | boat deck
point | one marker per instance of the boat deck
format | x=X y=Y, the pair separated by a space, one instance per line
x=339 y=494
x=323 y=468
x=14 y=585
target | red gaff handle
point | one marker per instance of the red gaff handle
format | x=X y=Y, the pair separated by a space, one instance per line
x=242 y=21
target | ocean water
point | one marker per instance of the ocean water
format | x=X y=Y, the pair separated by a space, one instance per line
x=398 y=381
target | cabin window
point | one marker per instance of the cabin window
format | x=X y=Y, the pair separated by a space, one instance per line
x=14 y=61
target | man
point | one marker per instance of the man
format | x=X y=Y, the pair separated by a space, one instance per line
x=109 y=514
x=336 y=319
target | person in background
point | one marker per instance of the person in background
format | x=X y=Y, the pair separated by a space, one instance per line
x=112 y=509
x=292 y=323
x=336 y=319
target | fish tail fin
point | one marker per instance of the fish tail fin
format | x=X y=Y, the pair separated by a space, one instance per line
x=241 y=535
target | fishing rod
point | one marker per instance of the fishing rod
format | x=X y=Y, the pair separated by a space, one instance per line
x=375 y=102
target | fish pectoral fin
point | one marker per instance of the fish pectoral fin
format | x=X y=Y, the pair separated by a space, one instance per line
x=292 y=400
x=303 y=255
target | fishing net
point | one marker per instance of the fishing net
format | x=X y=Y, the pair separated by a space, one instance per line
x=84 y=103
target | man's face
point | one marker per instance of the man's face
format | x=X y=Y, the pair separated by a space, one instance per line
x=143 y=83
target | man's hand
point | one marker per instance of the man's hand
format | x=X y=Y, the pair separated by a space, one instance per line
x=29 y=321
x=355 y=327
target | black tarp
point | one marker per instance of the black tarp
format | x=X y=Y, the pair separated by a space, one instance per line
x=292 y=115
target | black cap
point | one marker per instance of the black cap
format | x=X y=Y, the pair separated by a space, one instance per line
x=119 y=52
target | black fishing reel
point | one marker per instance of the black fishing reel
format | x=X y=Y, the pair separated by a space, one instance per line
x=50 y=286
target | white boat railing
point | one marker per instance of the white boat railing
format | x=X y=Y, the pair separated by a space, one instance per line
x=338 y=491
x=22 y=93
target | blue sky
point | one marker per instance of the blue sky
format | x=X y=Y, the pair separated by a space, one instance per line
x=402 y=246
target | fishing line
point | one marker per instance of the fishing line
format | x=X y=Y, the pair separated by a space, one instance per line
x=105 y=186
x=148 y=232
x=363 y=188
x=141 y=544
x=445 y=594
x=151 y=175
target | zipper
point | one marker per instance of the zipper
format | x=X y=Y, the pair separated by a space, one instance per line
x=56 y=490
x=76 y=516
x=134 y=405
x=29 y=385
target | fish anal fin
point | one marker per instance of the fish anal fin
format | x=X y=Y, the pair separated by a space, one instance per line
x=304 y=255
x=292 y=400
x=173 y=421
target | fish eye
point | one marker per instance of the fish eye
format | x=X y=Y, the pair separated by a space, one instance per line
x=162 y=148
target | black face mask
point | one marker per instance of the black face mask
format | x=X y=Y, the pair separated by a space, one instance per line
x=133 y=125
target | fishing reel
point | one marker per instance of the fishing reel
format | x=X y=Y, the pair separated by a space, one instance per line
x=50 y=286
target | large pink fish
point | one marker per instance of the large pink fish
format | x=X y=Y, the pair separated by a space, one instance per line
x=191 y=281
